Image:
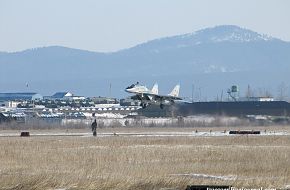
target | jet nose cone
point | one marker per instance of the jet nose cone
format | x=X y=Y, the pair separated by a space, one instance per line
x=128 y=90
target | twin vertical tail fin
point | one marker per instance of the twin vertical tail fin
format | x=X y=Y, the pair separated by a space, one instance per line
x=175 y=91
x=155 y=89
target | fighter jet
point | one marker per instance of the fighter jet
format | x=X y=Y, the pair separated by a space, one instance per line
x=147 y=96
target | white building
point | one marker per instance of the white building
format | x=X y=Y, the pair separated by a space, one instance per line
x=64 y=96
x=256 y=99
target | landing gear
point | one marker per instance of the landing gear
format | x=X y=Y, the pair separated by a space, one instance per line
x=143 y=105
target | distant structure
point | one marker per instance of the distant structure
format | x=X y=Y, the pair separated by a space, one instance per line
x=233 y=92
x=12 y=104
x=24 y=96
x=129 y=102
x=104 y=100
x=64 y=96
x=256 y=99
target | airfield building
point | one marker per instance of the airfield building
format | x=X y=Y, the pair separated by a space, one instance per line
x=104 y=100
x=129 y=102
x=64 y=96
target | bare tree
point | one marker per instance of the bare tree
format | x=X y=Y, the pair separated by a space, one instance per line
x=249 y=92
x=264 y=93
x=282 y=91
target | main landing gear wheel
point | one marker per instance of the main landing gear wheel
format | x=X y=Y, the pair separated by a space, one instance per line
x=143 y=105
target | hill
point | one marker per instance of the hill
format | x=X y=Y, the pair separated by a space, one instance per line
x=211 y=59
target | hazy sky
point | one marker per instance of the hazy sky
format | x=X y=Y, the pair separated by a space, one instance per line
x=110 y=25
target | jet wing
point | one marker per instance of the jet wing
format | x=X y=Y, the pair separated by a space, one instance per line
x=149 y=96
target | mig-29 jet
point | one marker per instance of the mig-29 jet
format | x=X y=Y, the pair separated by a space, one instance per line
x=147 y=96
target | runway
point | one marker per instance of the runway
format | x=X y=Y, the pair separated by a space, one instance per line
x=144 y=134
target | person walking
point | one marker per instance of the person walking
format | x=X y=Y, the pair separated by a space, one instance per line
x=94 y=127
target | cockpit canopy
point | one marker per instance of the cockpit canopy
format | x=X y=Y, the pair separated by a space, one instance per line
x=133 y=85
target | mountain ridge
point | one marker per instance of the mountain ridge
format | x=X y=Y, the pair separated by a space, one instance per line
x=219 y=28
x=218 y=51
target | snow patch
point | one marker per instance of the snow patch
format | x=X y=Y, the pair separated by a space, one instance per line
x=237 y=36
